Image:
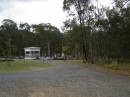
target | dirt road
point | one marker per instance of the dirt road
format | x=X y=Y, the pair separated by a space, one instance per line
x=64 y=80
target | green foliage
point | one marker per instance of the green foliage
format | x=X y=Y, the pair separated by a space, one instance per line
x=104 y=32
x=46 y=33
x=14 y=39
x=72 y=39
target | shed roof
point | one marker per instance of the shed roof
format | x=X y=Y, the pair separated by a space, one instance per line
x=32 y=48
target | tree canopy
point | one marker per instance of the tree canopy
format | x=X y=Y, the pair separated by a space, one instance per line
x=102 y=33
x=14 y=38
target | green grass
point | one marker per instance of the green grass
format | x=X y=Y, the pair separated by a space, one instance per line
x=21 y=65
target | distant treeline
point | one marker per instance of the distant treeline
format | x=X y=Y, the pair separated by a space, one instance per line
x=14 y=38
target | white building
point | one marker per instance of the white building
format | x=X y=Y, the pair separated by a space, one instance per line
x=32 y=52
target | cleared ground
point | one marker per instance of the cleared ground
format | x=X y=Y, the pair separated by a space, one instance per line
x=64 y=80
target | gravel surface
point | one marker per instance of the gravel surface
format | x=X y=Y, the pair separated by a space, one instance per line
x=64 y=80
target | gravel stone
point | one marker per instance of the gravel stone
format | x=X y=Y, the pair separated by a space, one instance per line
x=64 y=80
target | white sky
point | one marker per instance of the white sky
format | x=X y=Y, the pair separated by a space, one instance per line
x=35 y=11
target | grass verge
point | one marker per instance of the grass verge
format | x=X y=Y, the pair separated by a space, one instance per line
x=119 y=68
x=114 y=66
x=23 y=65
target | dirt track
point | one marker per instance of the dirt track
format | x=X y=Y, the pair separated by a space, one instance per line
x=64 y=80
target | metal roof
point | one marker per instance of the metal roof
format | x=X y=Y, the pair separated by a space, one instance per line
x=32 y=48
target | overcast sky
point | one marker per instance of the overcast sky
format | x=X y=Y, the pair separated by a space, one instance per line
x=34 y=11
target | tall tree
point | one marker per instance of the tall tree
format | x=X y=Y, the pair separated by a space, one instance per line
x=81 y=7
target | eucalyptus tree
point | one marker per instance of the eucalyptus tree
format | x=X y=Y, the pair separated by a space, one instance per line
x=115 y=27
x=81 y=7
x=25 y=27
x=49 y=38
x=72 y=39
x=8 y=31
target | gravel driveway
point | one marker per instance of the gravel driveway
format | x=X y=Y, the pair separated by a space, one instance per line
x=64 y=80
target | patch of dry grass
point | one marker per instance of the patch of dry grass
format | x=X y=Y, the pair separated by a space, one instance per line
x=114 y=66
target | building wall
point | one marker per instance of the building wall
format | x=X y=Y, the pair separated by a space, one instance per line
x=32 y=53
